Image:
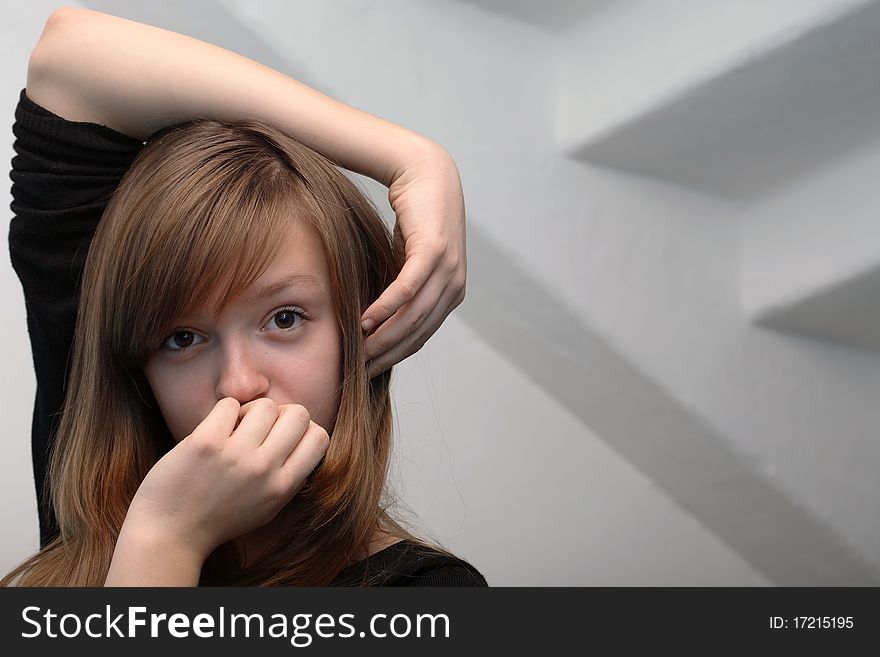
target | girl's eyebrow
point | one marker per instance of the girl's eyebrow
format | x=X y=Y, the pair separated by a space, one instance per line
x=292 y=280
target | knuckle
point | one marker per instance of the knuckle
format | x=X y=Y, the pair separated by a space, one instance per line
x=285 y=486
x=266 y=404
x=228 y=401
x=380 y=346
x=256 y=469
x=322 y=438
x=449 y=258
x=301 y=412
x=386 y=308
x=261 y=405
x=409 y=289
x=206 y=447
x=417 y=321
x=278 y=491
x=441 y=249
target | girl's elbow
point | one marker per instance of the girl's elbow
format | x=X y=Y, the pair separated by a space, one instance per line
x=61 y=23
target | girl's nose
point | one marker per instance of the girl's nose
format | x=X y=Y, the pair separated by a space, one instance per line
x=241 y=375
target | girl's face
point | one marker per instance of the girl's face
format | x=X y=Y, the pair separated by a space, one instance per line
x=280 y=339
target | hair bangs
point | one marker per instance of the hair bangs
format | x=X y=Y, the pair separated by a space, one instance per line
x=200 y=252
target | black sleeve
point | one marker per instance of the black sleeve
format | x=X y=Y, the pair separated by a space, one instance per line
x=459 y=573
x=63 y=173
x=409 y=564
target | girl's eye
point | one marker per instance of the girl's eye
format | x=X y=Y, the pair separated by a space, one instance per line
x=286 y=318
x=180 y=340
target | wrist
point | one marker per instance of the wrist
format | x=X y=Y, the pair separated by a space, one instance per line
x=419 y=153
x=148 y=556
x=160 y=531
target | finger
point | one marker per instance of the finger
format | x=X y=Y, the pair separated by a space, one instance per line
x=220 y=421
x=408 y=320
x=305 y=456
x=257 y=418
x=413 y=343
x=246 y=408
x=292 y=423
x=415 y=271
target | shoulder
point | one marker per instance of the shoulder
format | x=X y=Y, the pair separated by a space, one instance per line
x=428 y=567
x=407 y=563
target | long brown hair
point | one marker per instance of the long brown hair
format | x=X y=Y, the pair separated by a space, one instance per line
x=196 y=220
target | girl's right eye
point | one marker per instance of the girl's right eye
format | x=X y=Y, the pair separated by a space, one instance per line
x=180 y=340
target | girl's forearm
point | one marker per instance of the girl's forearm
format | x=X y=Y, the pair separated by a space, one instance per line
x=136 y=79
x=148 y=558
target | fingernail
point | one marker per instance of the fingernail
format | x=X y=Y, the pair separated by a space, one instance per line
x=368 y=324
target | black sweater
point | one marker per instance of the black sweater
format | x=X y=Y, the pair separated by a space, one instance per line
x=63 y=175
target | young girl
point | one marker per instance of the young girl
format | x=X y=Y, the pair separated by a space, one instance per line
x=220 y=426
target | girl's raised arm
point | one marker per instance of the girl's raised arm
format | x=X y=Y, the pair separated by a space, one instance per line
x=136 y=79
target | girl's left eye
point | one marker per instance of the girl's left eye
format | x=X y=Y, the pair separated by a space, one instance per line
x=285 y=319
x=180 y=341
